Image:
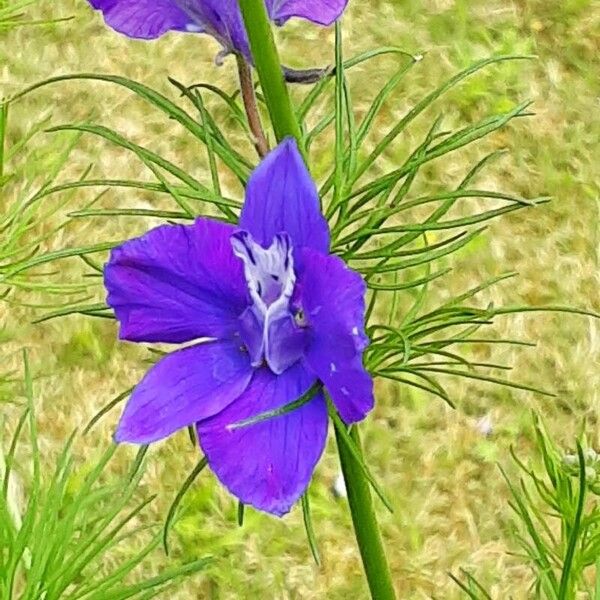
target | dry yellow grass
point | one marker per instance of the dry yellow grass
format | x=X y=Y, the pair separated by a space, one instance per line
x=440 y=471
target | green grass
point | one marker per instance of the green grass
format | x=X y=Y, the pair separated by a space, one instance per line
x=64 y=523
x=451 y=501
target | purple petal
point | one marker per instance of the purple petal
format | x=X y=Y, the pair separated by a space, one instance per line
x=333 y=299
x=223 y=20
x=282 y=197
x=145 y=19
x=177 y=283
x=252 y=335
x=269 y=464
x=182 y=388
x=148 y=19
x=286 y=343
x=322 y=12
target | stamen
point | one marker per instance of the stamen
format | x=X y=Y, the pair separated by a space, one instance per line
x=300 y=318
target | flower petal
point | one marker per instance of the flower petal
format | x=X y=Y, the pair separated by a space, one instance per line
x=149 y=19
x=332 y=297
x=322 y=12
x=177 y=283
x=145 y=19
x=282 y=197
x=182 y=388
x=223 y=20
x=268 y=464
x=286 y=342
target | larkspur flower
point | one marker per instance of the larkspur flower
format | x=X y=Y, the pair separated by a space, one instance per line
x=271 y=312
x=150 y=19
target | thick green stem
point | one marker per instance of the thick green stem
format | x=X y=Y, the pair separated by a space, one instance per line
x=268 y=67
x=284 y=121
x=365 y=523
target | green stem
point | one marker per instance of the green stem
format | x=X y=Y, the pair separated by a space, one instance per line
x=268 y=67
x=366 y=527
x=285 y=123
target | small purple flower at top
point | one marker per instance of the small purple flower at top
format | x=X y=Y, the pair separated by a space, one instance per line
x=222 y=19
x=269 y=312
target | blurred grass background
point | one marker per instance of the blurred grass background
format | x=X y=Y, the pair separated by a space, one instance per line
x=435 y=463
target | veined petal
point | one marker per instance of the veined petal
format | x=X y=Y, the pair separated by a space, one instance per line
x=332 y=297
x=182 y=388
x=149 y=19
x=144 y=19
x=322 y=12
x=177 y=283
x=269 y=464
x=286 y=342
x=222 y=19
x=282 y=197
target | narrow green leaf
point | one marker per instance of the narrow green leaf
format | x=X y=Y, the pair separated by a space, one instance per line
x=339 y=118
x=190 y=192
x=434 y=391
x=566 y=589
x=10 y=457
x=463 y=587
x=382 y=96
x=342 y=430
x=153 y=583
x=132 y=212
x=3 y=128
x=308 y=526
x=433 y=226
x=468 y=375
x=210 y=150
x=72 y=310
x=316 y=92
x=137 y=463
x=407 y=285
x=56 y=255
x=236 y=111
x=107 y=408
x=192 y=435
x=425 y=103
x=179 y=497
x=278 y=412
x=422 y=259
x=152 y=161
x=541 y=553
x=161 y=102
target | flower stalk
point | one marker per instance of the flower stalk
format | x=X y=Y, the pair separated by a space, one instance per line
x=364 y=520
x=285 y=123
x=249 y=97
x=270 y=73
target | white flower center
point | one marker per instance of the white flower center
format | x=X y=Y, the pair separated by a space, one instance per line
x=270 y=276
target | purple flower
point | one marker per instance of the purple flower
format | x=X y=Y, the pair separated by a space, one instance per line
x=149 y=19
x=270 y=313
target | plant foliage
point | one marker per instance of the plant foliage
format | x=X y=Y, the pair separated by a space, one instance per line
x=62 y=526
